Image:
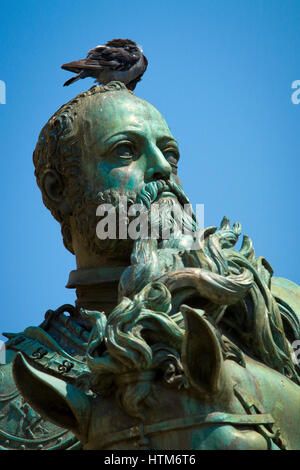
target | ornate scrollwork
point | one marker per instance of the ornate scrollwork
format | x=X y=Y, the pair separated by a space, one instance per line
x=39 y=353
x=66 y=366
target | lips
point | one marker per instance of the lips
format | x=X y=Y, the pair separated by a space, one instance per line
x=164 y=190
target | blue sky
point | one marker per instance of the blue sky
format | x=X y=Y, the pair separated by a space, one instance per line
x=219 y=71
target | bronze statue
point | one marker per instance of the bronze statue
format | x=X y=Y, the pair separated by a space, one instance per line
x=170 y=345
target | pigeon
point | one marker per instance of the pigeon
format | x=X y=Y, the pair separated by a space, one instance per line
x=118 y=60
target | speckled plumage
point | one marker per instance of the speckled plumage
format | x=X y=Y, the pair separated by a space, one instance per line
x=119 y=59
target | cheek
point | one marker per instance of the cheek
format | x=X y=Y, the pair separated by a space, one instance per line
x=176 y=179
x=127 y=178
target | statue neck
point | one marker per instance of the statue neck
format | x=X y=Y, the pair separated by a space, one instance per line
x=96 y=288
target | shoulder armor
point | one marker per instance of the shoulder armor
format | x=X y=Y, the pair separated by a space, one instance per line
x=23 y=428
x=57 y=346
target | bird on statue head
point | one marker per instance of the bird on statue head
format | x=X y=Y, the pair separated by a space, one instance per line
x=118 y=60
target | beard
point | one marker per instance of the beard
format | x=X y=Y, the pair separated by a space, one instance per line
x=169 y=219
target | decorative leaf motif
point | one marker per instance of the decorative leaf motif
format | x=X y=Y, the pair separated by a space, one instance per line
x=247 y=249
x=225 y=224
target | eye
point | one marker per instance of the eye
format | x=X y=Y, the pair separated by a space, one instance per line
x=124 y=150
x=172 y=156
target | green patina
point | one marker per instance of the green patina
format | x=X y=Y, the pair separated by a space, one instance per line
x=168 y=347
x=127 y=144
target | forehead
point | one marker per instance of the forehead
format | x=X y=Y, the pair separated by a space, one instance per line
x=116 y=112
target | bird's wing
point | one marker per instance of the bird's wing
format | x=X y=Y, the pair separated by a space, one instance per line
x=116 y=58
x=78 y=65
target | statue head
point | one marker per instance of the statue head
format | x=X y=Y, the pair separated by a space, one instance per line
x=104 y=143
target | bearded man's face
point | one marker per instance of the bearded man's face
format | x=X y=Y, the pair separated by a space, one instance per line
x=128 y=150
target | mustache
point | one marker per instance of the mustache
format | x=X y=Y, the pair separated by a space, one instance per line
x=150 y=192
x=170 y=209
x=147 y=195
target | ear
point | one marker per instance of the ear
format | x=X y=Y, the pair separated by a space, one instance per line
x=52 y=398
x=53 y=187
x=201 y=354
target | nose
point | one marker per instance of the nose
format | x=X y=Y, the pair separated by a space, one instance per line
x=157 y=166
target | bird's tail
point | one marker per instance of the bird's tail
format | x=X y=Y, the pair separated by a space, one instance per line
x=72 y=80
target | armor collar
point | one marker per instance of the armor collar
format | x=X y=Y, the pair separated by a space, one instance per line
x=96 y=288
